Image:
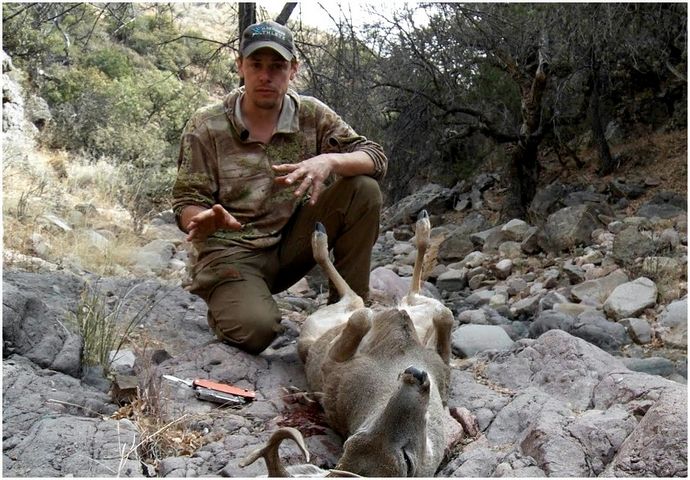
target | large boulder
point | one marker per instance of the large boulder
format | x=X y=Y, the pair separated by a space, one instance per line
x=630 y=244
x=664 y=205
x=631 y=298
x=572 y=408
x=41 y=333
x=432 y=197
x=571 y=227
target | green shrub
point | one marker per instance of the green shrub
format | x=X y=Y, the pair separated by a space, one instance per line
x=111 y=61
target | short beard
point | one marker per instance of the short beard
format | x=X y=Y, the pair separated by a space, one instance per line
x=266 y=104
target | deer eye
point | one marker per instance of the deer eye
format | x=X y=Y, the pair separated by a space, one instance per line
x=408 y=464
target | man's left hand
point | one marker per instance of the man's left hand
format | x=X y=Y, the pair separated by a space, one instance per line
x=309 y=175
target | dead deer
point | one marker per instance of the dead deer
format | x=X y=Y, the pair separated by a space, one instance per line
x=383 y=376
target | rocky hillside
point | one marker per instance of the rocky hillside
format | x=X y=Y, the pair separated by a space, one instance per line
x=569 y=343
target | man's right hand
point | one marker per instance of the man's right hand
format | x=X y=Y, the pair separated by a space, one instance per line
x=208 y=221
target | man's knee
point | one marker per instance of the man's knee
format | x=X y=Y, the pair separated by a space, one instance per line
x=251 y=326
x=366 y=189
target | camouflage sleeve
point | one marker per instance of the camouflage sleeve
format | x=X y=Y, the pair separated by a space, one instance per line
x=336 y=136
x=195 y=183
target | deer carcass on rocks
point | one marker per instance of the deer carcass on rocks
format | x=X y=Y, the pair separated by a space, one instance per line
x=383 y=375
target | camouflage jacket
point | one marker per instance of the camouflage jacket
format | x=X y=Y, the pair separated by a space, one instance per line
x=220 y=163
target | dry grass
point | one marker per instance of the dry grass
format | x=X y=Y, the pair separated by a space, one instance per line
x=54 y=183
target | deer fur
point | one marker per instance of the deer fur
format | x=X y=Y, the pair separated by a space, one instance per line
x=383 y=375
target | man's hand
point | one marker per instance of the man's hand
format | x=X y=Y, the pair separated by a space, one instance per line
x=313 y=172
x=208 y=221
x=310 y=174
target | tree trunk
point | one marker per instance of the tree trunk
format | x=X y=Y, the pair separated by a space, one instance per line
x=284 y=14
x=598 y=135
x=523 y=172
x=247 y=14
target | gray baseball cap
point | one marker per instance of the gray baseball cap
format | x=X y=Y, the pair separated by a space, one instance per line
x=268 y=34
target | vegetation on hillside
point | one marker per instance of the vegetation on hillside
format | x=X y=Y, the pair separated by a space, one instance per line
x=476 y=84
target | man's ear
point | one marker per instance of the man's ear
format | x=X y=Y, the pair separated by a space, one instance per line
x=294 y=66
x=238 y=63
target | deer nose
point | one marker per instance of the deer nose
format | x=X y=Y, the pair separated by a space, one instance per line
x=419 y=375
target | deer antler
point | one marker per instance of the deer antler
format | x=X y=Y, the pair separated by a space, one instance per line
x=269 y=452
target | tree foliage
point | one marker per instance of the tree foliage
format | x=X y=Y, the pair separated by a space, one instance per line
x=469 y=85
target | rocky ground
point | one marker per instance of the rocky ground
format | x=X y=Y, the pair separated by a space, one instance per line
x=569 y=344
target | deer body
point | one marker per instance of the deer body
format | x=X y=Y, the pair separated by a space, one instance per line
x=383 y=374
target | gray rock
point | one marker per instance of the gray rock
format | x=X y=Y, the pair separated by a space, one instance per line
x=630 y=299
x=468 y=340
x=664 y=205
x=510 y=250
x=489 y=239
x=527 y=306
x=56 y=221
x=530 y=243
x=432 y=197
x=630 y=244
x=620 y=188
x=551 y=320
x=669 y=239
x=515 y=230
x=38 y=111
x=557 y=363
x=517 y=285
x=397 y=287
x=601 y=433
x=550 y=300
x=503 y=268
x=452 y=280
x=474 y=462
x=53 y=425
x=673 y=324
x=547 y=200
x=475 y=317
x=597 y=330
x=571 y=226
x=155 y=255
x=554 y=449
x=32 y=329
x=638 y=329
x=573 y=309
x=480 y=297
x=476 y=281
x=658 y=445
x=574 y=273
x=651 y=365
x=473 y=259
x=599 y=289
x=585 y=198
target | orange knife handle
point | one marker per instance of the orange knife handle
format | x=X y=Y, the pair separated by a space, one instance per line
x=224 y=387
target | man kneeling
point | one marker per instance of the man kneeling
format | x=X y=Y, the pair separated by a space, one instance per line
x=255 y=172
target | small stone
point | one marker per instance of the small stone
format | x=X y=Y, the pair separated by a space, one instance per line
x=638 y=329
x=503 y=268
x=475 y=282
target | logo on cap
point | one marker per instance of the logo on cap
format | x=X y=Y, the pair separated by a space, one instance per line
x=268 y=35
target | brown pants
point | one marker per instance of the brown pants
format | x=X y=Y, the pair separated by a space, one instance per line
x=241 y=309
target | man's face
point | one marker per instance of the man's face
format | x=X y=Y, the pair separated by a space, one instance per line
x=266 y=77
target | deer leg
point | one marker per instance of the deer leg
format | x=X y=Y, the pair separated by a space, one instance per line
x=422 y=234
x=319 y=245
x=345 y=345
x=443 y=323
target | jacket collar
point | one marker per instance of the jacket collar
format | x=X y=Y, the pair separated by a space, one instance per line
x=288 y=121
